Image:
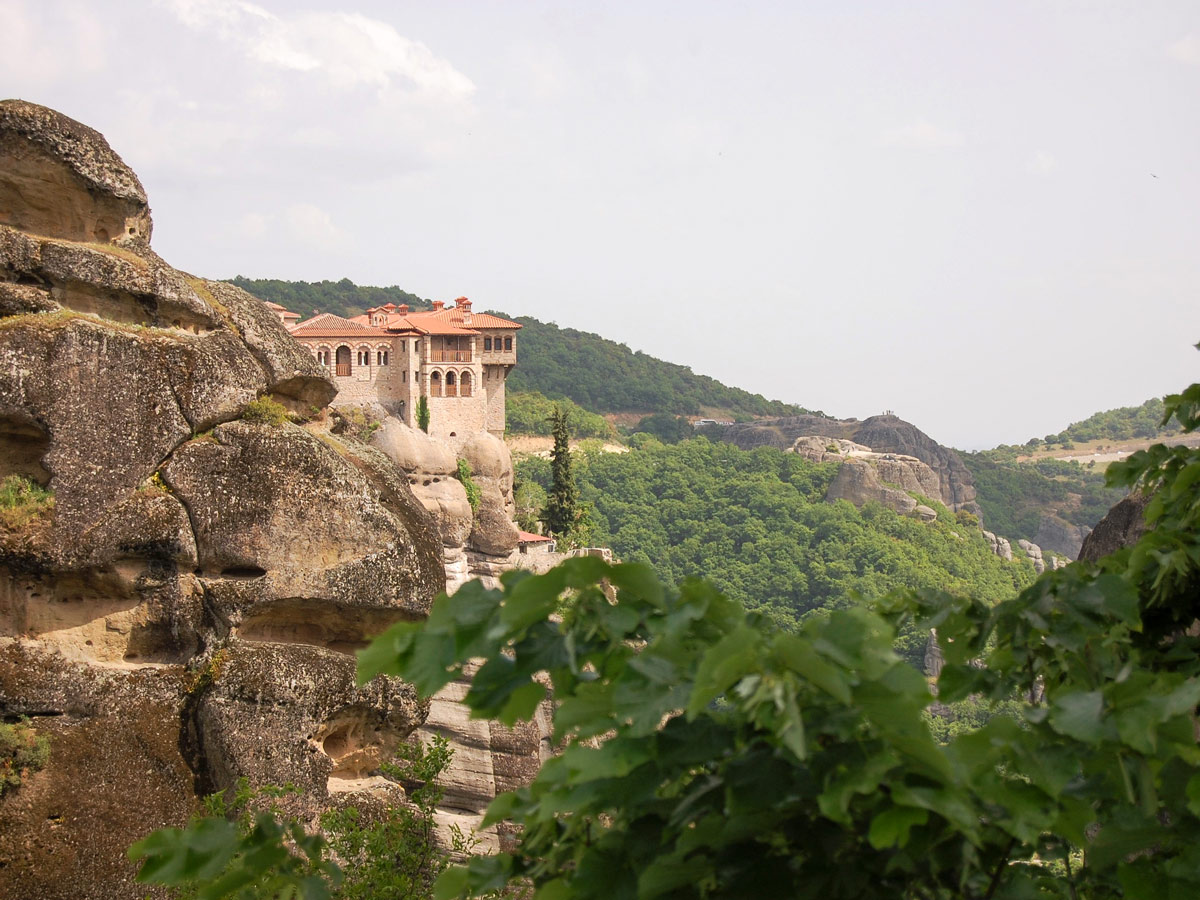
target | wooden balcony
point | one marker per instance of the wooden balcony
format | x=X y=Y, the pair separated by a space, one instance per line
x=342 y=369
x=445 y=356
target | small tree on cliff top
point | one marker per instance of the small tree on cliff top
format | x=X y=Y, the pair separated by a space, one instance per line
x=562 y=507
x=423 y=413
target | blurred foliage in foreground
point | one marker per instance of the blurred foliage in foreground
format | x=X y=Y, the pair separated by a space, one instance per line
x=706 y=755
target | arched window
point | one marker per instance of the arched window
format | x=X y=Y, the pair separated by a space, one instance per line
x=364 y=356
x=381 y=357
x=323 y=356
x=451 y=386
x=435 y=384
x=464 y=385
x=343 y=360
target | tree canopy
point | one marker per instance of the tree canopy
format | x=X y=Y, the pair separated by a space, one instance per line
x=704 y=754
x=345 y=298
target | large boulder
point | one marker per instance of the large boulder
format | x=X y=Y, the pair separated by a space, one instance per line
x=1122 y=526
x=179 y=607
x=858 y=482
x=60 y=178
x=1057 y=534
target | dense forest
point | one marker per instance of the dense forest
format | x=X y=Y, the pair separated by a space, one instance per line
x=608 y=377
x=1014 y=495
x=755 y=522
x=528 y=412
x=345 y=298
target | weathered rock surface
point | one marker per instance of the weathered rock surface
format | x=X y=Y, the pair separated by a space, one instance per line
x=279 y=713
x=1061 y=536
x=115 y=773
x=1122 y=526
x=476 y=544
x=60 y=178
x=858 y=482
x=182 y=614
x=887 y=478
x=488 y=757
x=1039 y=559
x=1000 y=545
x=881 y=434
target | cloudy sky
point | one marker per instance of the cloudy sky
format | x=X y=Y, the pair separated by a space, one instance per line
x=984 y=216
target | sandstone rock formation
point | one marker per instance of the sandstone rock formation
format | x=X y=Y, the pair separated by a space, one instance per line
x=1000 y=546
x=887 y=478
x=1061 y=536
x=180 y=616
x=882 y=434
x=1039 y=559
x=476 y=544
x=858 y=481
x=1122 y=526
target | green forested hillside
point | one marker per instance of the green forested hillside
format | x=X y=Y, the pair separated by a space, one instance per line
x=756 y=523
x=608 y=377
x=528 y=412
x=342 y=297
x=1014 y=495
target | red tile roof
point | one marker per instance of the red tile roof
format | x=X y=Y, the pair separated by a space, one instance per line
x=330 y=325
x=450 y=321
x=525 y=537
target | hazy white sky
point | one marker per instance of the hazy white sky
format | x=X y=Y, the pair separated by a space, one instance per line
x=985 y=216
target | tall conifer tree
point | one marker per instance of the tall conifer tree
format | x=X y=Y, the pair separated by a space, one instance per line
x=564 y=495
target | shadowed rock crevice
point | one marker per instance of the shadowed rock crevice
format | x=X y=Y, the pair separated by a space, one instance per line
x=316 y=623
x=23 y=446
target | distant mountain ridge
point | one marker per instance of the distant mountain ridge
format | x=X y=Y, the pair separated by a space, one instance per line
x=600 y=375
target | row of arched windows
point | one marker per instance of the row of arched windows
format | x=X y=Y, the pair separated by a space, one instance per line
x=451 y=384
x=363 y=357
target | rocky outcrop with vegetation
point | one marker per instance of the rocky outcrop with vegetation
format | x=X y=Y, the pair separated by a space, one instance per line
x=189 y=553
x=885 y=434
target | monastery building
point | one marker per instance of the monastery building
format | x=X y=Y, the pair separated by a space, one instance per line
x=458 y=360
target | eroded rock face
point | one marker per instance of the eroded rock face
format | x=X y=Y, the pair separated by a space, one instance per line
x=476 y=544
x=1122 y=526
x=887 y=478
x=880 y=434
x=1000 y=545
x=60 y=178
x=1061 y=536
x=183 y=613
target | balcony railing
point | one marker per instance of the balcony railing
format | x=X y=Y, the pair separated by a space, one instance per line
x=444 y=356
x=342 y=369
x=452 y=390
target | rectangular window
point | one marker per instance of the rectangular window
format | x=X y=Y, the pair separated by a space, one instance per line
x=487 y=343
x=507 y=344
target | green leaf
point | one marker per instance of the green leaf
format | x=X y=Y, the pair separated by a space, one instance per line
x=451 y=884
x=522 y=704
x=500 y=809
x=558 y=889
x=1079 y=715
x=639 y=580
x=797 y=653
x=890 y=828
x=722 y=665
